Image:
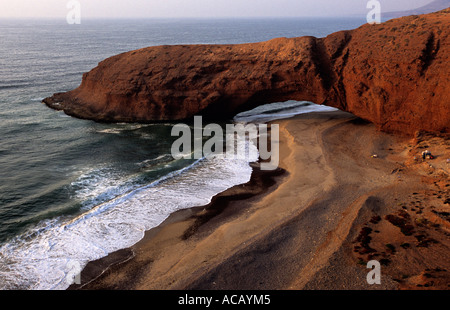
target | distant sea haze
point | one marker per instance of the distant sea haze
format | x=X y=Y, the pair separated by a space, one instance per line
x=72 y=190
x=431 y=7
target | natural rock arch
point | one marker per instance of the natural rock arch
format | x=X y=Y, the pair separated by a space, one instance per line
x=395 y=75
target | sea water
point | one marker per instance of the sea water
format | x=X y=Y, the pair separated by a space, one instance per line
x=71 y=190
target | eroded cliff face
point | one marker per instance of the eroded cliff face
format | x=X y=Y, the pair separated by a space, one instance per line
x=395 y=75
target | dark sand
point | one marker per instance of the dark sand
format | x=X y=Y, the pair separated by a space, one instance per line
x=312 y=224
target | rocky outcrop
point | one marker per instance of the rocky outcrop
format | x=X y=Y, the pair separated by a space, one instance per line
x=395 y=75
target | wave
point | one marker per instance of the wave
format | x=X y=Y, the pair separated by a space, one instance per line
x=118 y=209
x=120 y=128
x=45 y=256
x=96 y=185
x=16 y=86
x=22 y=84
x=280 y=110
x=164 y=159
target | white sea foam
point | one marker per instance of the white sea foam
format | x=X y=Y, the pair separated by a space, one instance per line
x=126 y=127
x=150 y=163
x=44 y=257
x=111 y=131
x=95 y=185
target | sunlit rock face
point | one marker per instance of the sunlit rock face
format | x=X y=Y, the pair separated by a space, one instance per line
x=395 y=75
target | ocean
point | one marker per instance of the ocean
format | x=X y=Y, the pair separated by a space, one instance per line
x=71 y=190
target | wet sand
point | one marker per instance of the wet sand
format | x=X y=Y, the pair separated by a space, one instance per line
x=312 y=224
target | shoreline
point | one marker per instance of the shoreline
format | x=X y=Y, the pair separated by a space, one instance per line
x=260 y=183
x=301 y=226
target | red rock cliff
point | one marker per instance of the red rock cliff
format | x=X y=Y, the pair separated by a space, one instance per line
x=395 y=75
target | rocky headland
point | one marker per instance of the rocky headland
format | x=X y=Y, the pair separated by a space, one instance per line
x=395 y=75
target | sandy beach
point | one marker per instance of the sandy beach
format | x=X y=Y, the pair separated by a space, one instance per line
x=344 y=194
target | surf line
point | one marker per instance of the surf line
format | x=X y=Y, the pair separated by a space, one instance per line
x=235 y=135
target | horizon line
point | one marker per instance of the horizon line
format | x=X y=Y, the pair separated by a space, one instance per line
x=182 y=17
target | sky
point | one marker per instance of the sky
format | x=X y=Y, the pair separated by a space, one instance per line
x=197 y=8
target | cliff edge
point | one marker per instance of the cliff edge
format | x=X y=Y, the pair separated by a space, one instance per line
x=395 y=75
